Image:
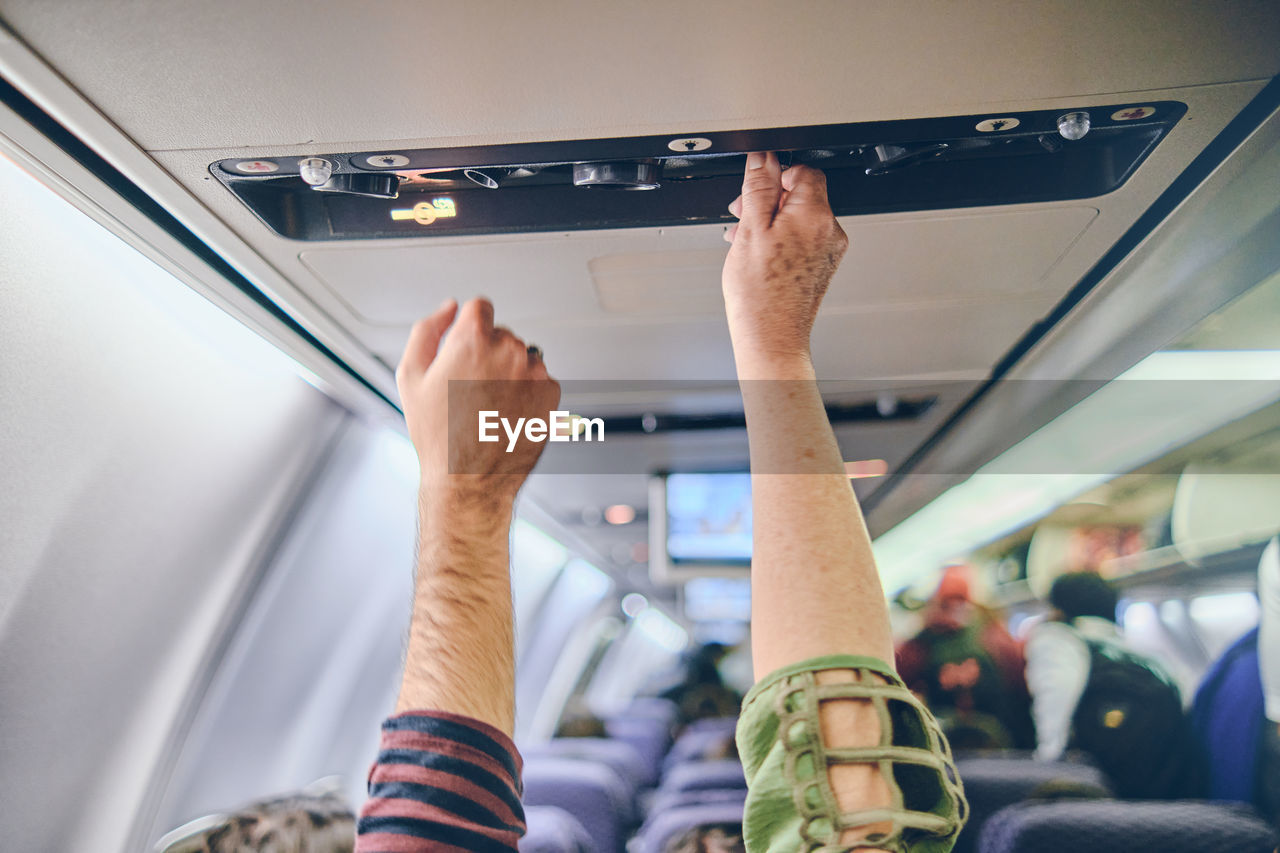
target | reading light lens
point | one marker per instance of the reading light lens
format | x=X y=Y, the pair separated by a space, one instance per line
x=315 y=170
x=633 y=604
x=1073 y=125
x=620 y=514
x=864 y=468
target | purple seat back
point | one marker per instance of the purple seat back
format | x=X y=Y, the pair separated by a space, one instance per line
x=1115 y=826
x=701 y=775
x=664 y=800
x=648 y=736
x=992 y=783
x=691 y=745
x=619 y=755
x=664 y=826
x=723 y=725
x=653 y=707
x=593 y=793
x=553 y=830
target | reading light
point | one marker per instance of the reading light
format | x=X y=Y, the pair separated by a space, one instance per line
x=620 y=514
x=316 y=171
x=633 y=604
x=864 y=468
x=1073 y=125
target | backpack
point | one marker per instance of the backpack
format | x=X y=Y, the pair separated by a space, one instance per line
x=1130 y=720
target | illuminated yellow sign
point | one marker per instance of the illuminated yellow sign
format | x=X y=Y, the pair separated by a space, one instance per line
x=426 y=212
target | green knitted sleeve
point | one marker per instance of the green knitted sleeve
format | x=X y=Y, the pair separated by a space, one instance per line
x=790 y=804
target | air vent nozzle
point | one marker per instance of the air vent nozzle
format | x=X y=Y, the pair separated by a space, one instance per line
x=618 y=176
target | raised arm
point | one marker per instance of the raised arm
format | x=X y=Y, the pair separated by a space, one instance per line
x=821 y=640
x=447 y=773
x=812 y=567
x=460 y=651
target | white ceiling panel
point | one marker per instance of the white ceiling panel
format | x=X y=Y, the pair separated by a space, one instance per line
x=676 y=272
x=163 y=88
x=235 y=73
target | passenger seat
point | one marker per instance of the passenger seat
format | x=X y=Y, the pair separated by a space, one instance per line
x=1115 y=826
x=703 y=775
x=553 y=830
x=619 y=755
x=663 y=827
x=594 y=793
x=992 y=783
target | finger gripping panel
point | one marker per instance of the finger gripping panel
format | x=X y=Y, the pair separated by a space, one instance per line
x=927 y=806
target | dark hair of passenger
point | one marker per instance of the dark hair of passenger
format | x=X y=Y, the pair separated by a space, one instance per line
x=582 y=725
x=1084 y=594
x=1068 y=789
x=709 y=838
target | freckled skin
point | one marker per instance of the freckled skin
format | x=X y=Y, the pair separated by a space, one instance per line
x=797 y=271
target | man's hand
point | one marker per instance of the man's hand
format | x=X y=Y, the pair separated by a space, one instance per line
x=786 y=247
x=444 y=386
x=459 y=657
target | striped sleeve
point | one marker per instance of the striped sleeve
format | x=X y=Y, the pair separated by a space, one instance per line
x=442 y=782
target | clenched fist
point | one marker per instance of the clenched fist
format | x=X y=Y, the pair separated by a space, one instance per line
x=786 y=247
x=444 y=386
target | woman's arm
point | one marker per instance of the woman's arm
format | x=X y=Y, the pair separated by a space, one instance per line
x=815 y=591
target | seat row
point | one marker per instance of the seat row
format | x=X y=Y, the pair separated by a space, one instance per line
x=635 y=789
x=593 y=794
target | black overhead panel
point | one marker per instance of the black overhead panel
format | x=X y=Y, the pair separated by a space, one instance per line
x=873 y=167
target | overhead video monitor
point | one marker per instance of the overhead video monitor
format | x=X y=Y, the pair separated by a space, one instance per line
x=700 y=524
x=717 y=600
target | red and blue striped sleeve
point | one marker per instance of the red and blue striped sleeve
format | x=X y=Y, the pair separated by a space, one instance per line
x=442 y=782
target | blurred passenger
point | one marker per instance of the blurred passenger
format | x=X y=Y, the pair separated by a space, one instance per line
x=713 y=838
x=1057 y=790
x=581 y=724
x=703 y=693
x=721 y=749
x=968 y=669
x=1090 y=691
x=311 y=821
x=1236 y=714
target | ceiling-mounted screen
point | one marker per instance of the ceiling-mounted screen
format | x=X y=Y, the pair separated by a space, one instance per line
x=699 y=524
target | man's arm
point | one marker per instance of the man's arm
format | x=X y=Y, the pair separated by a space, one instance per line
x=815 y=589
x=447 y=772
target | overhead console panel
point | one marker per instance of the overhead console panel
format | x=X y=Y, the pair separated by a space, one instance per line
x=872 y=167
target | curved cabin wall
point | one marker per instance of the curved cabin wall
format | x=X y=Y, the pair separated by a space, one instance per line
x=152 y=448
